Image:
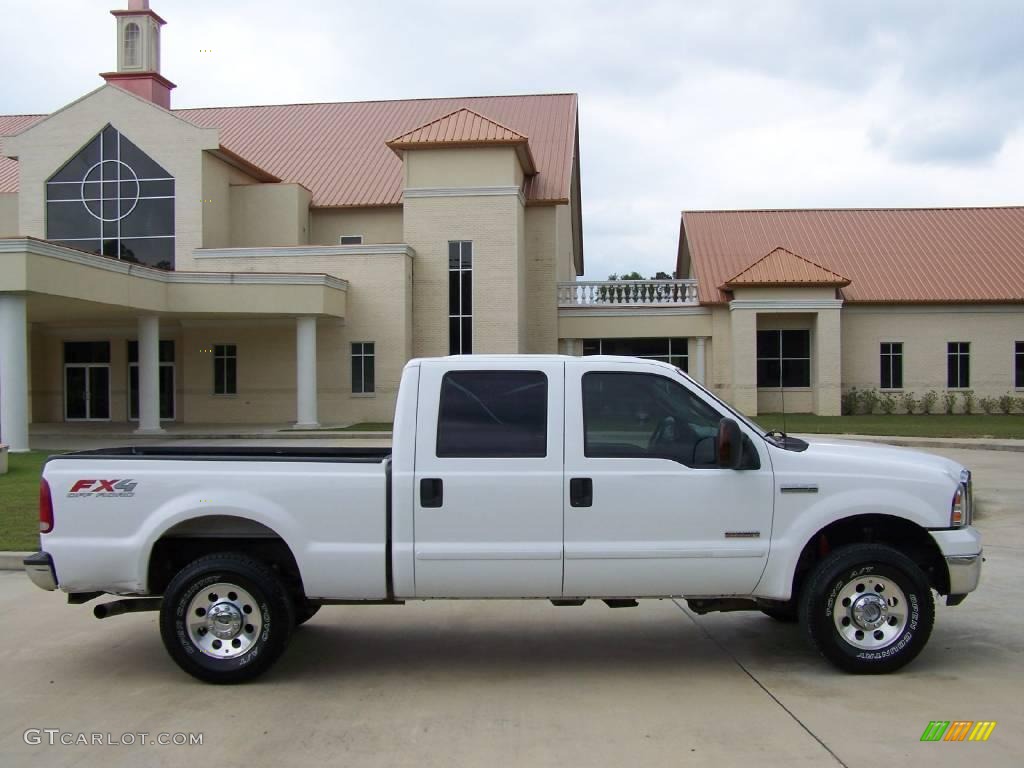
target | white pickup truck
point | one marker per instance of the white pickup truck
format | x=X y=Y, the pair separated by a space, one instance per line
x=557 y=478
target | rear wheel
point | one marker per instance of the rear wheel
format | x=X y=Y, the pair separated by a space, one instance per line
x=868 y=608
x=226 y=618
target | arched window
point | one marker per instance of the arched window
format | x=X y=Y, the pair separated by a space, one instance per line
x=131 y=44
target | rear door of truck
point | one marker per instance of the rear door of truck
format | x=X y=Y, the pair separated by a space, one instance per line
x=488 y=478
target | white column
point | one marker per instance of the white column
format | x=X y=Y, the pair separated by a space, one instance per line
x=13 y=373
x=149 y=375
x=305 y=371
x=698 y=360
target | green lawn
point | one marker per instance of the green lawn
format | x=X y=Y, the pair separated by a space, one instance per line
x=363 y=426
x=19 y=502
x=932 y=425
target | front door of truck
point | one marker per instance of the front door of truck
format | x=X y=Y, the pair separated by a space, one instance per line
x=648 y=511
x=488 y=479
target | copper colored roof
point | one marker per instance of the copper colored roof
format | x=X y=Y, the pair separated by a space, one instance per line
x=465 y=128
x=339 y=151
x=890 y=255
x=782 y=267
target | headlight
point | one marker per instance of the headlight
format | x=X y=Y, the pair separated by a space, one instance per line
x=961 y=511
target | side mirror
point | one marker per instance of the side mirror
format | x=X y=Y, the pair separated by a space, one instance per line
x=730 y=444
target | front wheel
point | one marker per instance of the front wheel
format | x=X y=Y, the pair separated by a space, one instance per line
x=226 y=618
x=867 y=608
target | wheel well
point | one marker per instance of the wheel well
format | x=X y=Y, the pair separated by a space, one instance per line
x=195 y=538
x=909 y=538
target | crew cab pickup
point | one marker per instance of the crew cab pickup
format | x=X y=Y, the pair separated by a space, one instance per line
x=547 y=477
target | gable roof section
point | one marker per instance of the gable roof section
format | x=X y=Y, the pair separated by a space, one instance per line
x=339 y=152
x=782 y=267
x=465 y=128
x=890 y=255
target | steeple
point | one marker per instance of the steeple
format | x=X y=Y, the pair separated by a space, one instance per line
x=138 y=54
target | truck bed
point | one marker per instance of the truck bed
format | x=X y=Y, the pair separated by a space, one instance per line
x=234 y=453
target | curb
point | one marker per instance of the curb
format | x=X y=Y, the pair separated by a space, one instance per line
x=11 y=561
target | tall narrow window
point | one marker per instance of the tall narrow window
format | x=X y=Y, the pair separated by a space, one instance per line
x=958 y=364
x=460 y=297
x=892 y=365
x=362 y=368
x=131 y=44
x=225 y=369
x=1018 y=365
x=784 y=358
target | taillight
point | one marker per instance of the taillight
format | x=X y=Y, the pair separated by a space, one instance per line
x=45 y=508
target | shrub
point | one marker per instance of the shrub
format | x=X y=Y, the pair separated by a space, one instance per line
x=1019 y=402
x=910 y=403
x=949 y=401
x=887 y=402
x=850 y=400
x=929 y=400
x=968 y=396
x=869 y=399
x=1005 y=403
x=988 y=404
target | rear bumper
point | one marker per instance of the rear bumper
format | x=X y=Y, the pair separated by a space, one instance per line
x=39 y=567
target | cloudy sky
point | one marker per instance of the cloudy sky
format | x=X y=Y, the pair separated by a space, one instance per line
x=682 y=104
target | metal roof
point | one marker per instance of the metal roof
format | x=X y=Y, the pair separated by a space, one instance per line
x=339 y=152
x=782 y=267
x=465 y=128
x=890 y=255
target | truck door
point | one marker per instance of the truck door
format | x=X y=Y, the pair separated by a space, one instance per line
x=648 y=511
x=488 y=479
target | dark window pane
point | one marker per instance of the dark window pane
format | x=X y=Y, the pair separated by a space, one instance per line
x=453 y=293
x=467 y=255
x=133 y=391
x=99 y=392
x=109 y=143
x=219 y=387
x=647 y=416
x=76 y=168
x=149 y=217
x=897 y=372
x=148 y=189
x=951 y=371
x=87 y=352
x=454 y=345
x=467 y=336
x=357 y=374
x=63 y=192
x=167 y=351
x=230 y=378
x=453 y=255
x=153 y=252
x=467 y=293
x=64 y=220
x=681 y=362
x=133 y=351
x=74 y=393
x=591 y=346
x=368 y=374
x=796 y=343
x=492 y=414
x=768 y=373
x=768 y=343
x=796 y=373
x=965 y=370
x=1019 y=364
x=143 y=165
x=166 y=391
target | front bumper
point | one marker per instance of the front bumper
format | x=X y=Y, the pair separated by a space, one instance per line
x=39 y=567
x=961 y=548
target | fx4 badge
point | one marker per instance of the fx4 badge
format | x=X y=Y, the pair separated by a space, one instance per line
x=103 y=489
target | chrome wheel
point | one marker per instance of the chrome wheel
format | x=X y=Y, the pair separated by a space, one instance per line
x=870 y=612
x=224 y=621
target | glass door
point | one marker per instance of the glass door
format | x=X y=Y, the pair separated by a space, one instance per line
x=87 y=381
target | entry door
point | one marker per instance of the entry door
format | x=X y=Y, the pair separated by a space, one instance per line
x=87 y=392
x=488 y=479
x=657 y=517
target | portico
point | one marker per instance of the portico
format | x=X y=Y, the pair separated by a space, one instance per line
x=75 y=303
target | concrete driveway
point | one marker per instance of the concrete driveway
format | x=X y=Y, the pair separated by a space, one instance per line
x=507 y=683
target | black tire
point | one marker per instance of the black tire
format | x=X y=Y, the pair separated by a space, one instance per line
x=858 y=569
x=273 y=611
x=305 y=610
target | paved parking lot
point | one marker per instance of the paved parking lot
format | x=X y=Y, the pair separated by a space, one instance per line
x=508 y=683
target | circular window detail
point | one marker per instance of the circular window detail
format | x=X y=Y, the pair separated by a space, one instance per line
x=125 y=183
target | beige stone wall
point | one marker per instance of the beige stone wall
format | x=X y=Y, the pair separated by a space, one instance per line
x=611 y=324
x=218 y=178
x=564 y=254
x=9 y=214
x=924 y=332
x=176 y=145
x=462 y=167
x=268 y=215
x=541 y=264
x=378 y=309
x=376 y=225
x=491 y=223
